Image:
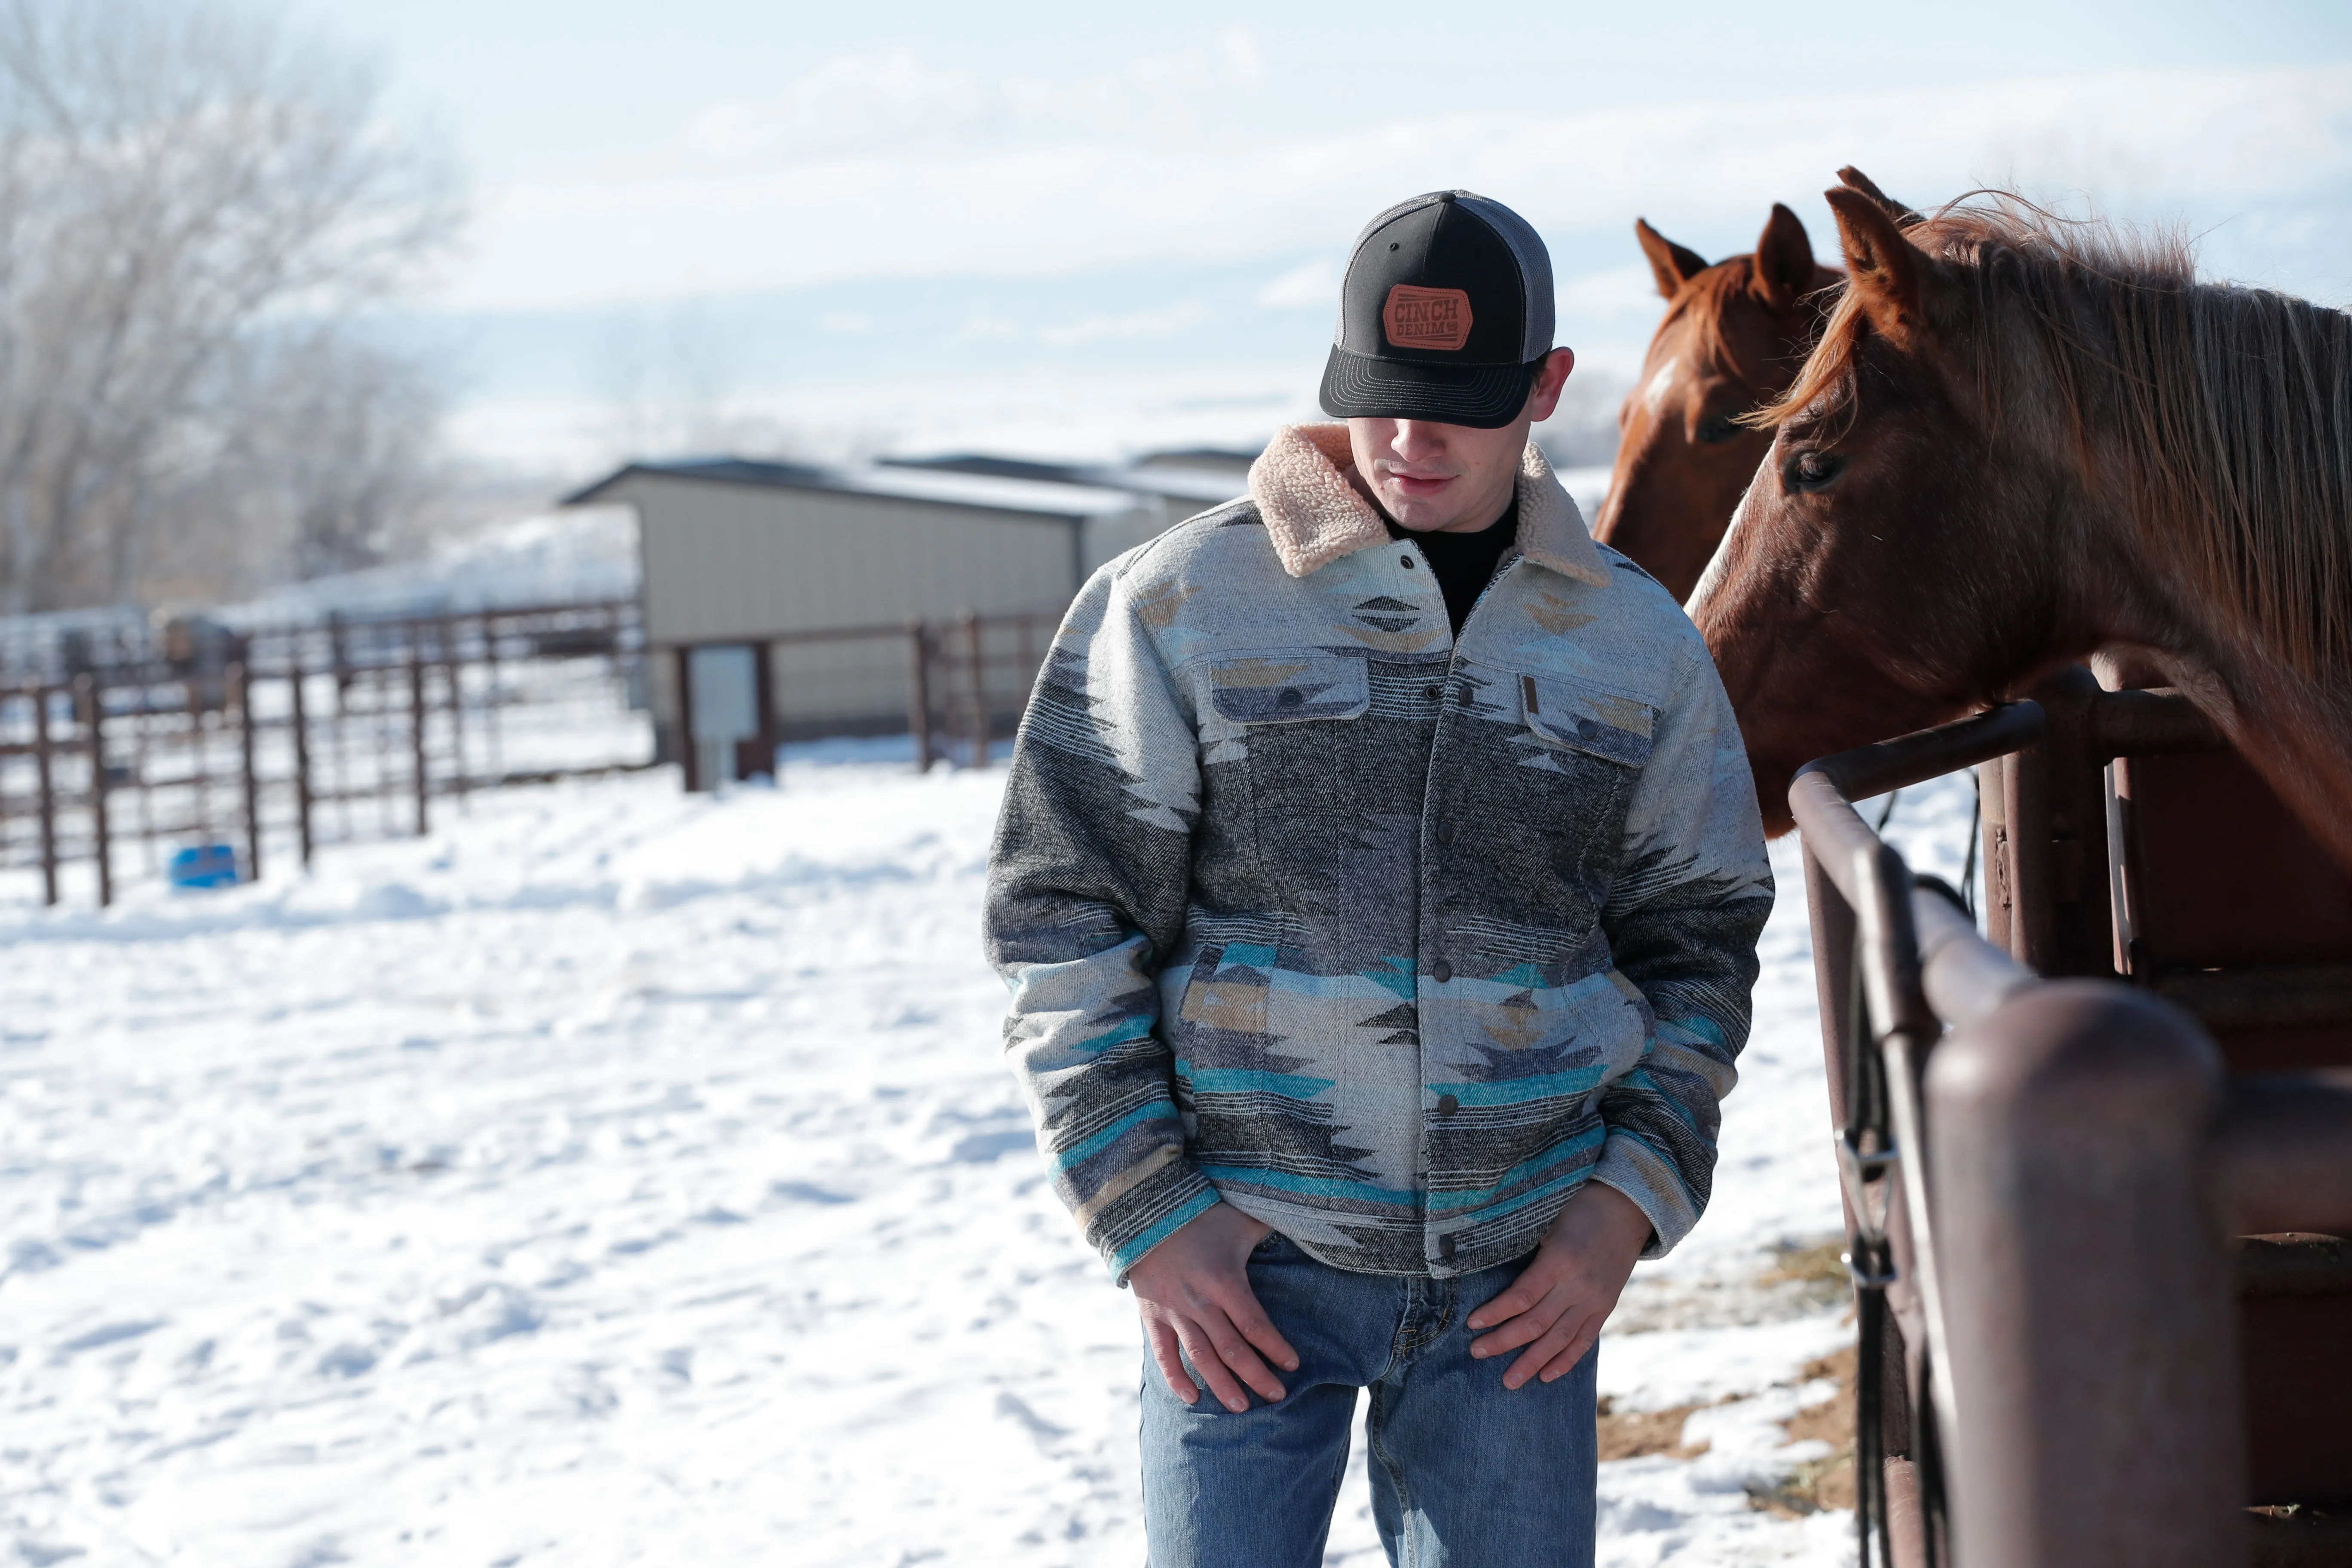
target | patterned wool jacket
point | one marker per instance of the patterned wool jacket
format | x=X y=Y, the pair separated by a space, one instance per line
x=1388 y=939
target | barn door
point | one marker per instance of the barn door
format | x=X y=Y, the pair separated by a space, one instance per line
x=723 y=707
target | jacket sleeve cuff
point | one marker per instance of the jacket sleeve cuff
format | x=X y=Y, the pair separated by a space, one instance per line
x=1149 y=1213
x=1650 y=1180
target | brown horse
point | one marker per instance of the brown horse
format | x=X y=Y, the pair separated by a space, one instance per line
x=1734 y=336
x=2022 y=439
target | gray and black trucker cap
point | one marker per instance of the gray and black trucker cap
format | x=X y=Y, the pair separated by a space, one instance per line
x=1445 y=315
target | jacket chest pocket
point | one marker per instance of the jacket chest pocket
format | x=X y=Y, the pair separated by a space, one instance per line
x=1289 y=689
x=1596 y=742
x=1285 y=730
x=1603 y=724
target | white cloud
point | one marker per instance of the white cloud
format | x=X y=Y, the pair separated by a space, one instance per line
x=1315 y=286
x=1072 y=191
x=1165 y=322
x=1160 y=322
x=893 y=102
x=856 y=103
x=1244 y=63
x=1620 y=292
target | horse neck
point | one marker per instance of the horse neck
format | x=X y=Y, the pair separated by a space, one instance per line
x=2286 y=725
x=2137 y=591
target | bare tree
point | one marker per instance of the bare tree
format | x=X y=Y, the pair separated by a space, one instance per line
x=321 y=456
x=195 y=208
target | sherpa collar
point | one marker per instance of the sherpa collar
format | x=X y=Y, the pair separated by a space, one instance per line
x=1315 y=516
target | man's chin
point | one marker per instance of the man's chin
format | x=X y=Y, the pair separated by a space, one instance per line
x=1422 y=514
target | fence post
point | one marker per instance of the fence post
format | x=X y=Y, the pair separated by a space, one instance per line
x=918 y=693
x=91 y=702
x=971 y=644
x=497 y=746
x=2094 y=1420
x=42 y=761
x=2025 y=808
x=453 y=671
x=241 y=685
x=688 y=763
x=338 y=659
x=770 y=739
x=416 y=733
x=200 y=753
x=302 y=758
x=1999 y=885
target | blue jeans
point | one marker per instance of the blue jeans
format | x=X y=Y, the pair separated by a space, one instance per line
x=1465 y=1473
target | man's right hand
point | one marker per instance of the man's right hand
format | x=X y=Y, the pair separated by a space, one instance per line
x=1193 y=1292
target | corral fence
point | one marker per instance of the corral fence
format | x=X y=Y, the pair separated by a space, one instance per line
x=204 y=751
x=200 y=751
x=973 y=679
x=955 y=685
x=2097 y=1169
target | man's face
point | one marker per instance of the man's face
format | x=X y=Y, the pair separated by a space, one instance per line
x=1451 y=479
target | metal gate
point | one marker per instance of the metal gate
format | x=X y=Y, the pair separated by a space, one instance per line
x=2097 y=1169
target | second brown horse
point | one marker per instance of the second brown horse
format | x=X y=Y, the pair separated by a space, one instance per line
x=1733 y=337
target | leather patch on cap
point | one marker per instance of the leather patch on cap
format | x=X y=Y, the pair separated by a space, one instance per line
x=1426 y=318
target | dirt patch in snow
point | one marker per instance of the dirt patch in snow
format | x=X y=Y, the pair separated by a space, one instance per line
x=1636 y=1434
x=1826 y=1482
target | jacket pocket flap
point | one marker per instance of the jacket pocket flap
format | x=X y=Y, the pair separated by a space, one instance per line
x=1277 y=688
x=1589 y=719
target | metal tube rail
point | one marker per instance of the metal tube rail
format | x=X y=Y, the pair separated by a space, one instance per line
x=1965 y=977
x=2137 y=723
x=1874 y=880
x=2285 y=1141
x=2092 y=1329
x=1924 y=755
x=1910 y=945
x=2088 y=1163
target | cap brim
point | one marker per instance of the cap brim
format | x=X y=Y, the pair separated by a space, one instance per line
x=1485 y=398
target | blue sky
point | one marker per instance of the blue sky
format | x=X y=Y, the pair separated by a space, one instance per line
x=1083 y=227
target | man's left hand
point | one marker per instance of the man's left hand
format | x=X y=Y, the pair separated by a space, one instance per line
x=1556 y=1305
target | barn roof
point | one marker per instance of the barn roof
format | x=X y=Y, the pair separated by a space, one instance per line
x=1205 y=486
x=987 y=492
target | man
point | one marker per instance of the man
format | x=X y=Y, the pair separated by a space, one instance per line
x=1378 y=883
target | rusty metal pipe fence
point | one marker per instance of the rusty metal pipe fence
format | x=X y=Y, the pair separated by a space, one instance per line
x=299 y=736
x=343 y=729
x=970 y=679
x=2045 y=1180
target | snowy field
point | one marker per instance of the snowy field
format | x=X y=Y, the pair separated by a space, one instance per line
x=624 y=1177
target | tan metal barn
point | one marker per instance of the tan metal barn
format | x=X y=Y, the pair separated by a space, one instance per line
x=779 y=597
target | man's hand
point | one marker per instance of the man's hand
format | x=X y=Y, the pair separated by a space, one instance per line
x=1193 y=1291
x=1560 y=1300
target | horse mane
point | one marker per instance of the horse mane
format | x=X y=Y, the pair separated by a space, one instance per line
x=1702 y=299
x=2225 y=410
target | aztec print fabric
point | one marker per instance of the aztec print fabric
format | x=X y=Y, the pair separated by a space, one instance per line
x=1388 y=939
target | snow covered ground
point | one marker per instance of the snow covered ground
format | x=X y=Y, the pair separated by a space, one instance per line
x=624 y=1177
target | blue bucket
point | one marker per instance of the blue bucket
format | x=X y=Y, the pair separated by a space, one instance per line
x=204 y=865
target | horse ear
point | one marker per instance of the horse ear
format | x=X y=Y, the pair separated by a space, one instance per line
x=1784 y=259
x=1853 y=179
x=1674 y=265
x=1888 y=270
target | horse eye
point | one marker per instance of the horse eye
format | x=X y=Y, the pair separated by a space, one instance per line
x=1717 y=428
x=1810 y=470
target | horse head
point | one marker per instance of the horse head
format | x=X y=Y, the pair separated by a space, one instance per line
x=1733 y=338
x=1892 y=564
